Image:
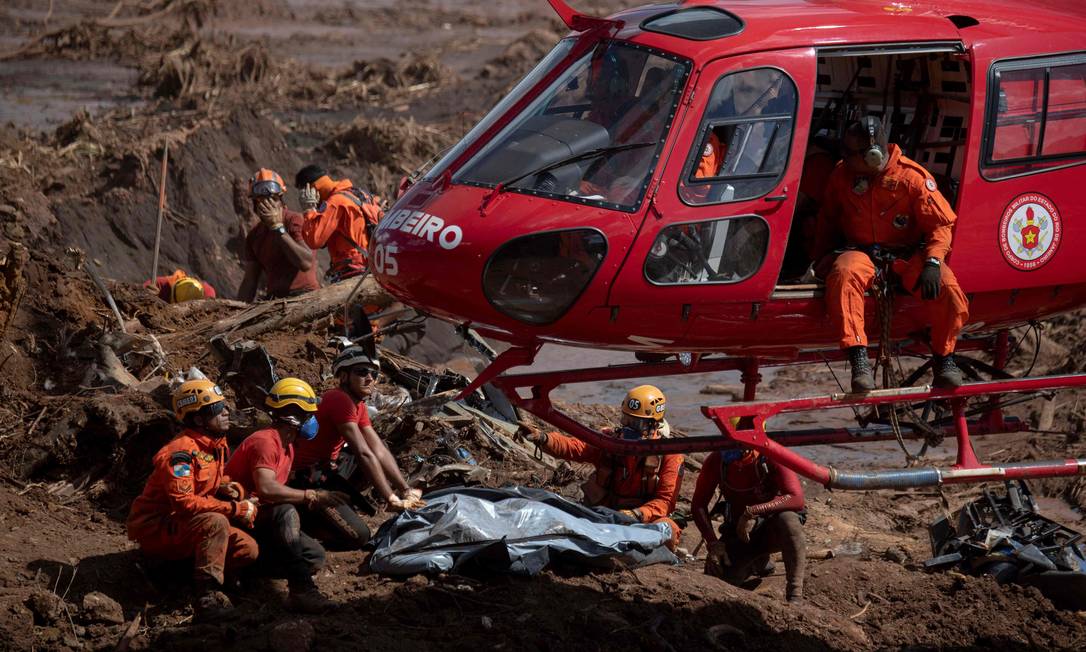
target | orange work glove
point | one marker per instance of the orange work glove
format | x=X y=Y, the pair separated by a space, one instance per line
x=245 y=512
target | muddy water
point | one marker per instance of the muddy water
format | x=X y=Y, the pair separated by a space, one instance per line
x=685 y=401
x=40 y=94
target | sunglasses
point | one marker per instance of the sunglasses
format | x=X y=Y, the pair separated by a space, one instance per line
x=372 y=373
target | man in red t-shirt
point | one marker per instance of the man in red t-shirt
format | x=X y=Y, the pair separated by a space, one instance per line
x=343 y=418
x=275 y=248
x=261 y=465
x=764 y=513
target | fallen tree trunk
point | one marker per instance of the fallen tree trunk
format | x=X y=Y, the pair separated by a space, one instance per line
x=279 y=314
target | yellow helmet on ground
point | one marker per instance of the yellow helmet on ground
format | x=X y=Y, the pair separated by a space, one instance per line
x=194 y=395
x=186 y=289
x=292 y=391
x=645 y=402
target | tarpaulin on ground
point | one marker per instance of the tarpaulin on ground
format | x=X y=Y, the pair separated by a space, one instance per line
x=515 y=529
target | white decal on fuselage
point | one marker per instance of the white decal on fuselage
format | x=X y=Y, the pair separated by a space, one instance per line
x=423 y=225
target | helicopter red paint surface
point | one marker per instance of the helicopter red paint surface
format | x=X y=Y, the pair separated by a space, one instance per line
x=575 y=212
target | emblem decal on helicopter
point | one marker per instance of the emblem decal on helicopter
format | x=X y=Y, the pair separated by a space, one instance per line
x=423 y=225
x=1030 y=231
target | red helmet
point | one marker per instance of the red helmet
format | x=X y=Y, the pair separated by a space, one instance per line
x=266 y=183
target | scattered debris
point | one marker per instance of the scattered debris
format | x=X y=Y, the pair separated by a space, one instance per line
x=1006 y=538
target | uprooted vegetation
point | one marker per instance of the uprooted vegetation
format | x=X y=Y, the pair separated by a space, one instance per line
x=84 y=406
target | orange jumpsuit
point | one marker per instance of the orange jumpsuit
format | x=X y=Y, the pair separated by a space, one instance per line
x=340 y=223
x=899 y=207
x=648 y=484
x=177 y=516
x=711 y=158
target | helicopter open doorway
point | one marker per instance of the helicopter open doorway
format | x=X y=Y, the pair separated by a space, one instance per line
x=922 y=93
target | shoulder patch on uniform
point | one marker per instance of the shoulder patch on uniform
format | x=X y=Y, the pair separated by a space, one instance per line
x=180 y=457
x=181 y=470
x=930 y=185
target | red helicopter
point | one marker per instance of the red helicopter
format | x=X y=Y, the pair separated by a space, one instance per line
x=542 y=225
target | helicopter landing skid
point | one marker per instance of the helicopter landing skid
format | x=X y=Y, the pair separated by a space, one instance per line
x=744 y=423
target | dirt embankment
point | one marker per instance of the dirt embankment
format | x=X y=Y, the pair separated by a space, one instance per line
x=229 y=89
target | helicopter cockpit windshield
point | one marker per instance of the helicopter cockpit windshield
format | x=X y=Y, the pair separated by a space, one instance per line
x=594 y=135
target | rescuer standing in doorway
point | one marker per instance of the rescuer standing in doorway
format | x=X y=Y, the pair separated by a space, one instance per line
x=879 y=199
x=189 y=508
x=763 y=513
x=643 y=488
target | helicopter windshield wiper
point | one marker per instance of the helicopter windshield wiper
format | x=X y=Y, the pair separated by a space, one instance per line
x=600 y=151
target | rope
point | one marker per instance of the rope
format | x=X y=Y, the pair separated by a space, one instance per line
x=884 y=299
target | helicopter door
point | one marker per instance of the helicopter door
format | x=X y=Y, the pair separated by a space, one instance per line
x=717 y=224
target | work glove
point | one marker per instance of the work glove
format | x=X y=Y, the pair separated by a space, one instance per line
x=745 y=526
x=315 y=498
x=716 y=558
x=308 y=198
x=929 y=281
x=231 y=491
x=635 y=514
x=270 y=212
x=245 y=512
x=531 y=435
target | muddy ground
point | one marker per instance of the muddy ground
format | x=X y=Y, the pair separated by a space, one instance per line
x=96 y=90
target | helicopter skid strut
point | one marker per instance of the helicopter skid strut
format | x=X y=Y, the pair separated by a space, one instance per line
x=744 y=423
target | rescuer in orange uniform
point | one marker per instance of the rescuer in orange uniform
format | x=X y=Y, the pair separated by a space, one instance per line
x=338 y=216
x=877 y=197
x=642 y=488
x=764 y=513
x=189 y=507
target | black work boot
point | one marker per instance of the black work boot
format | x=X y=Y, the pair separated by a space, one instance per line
x=947 y=374
x=863 y=380
x=211 y=606
x=306 y=598
x=793 y=591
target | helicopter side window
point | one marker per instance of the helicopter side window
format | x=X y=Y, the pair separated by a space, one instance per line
x=1037 y=115
x=594 y=136
x=718 y=251
x=745 y=138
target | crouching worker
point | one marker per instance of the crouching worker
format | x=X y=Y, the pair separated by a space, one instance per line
x=261 y=464
x=763 y=513
x=190 y=508
x=179 y=287
x=342 y=418
x=643 y=488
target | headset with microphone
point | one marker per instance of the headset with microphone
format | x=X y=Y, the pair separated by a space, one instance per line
x=875 y=154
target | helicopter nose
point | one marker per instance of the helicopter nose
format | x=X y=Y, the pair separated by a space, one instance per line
x=491 y=273
x=415 y=256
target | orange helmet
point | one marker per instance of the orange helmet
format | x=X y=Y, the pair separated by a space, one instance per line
x=645 y=402
x=194 y=395
x=266 y=183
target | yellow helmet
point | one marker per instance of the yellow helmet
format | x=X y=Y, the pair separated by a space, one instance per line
x=186 y=289
x=194 y=395
x=292 y=391
x=645 y=402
